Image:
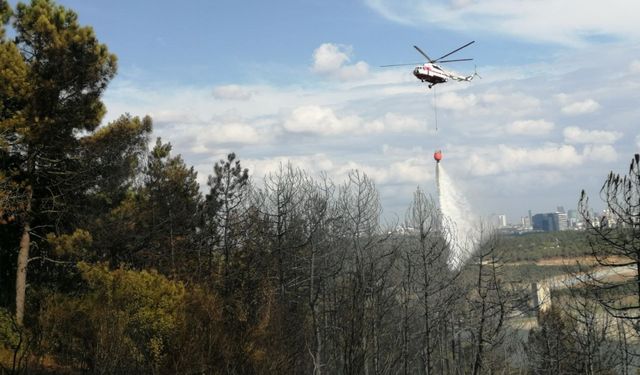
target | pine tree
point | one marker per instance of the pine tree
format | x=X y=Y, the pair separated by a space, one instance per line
x=52 y=75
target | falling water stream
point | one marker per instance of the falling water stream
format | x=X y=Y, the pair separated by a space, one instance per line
x=458 y=219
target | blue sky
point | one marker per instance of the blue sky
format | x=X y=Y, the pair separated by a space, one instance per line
x=555 y=111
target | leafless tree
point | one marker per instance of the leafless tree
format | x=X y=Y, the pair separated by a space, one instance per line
x=429 y=278
x=548 y=348
x=615 y=243
x=280 y=201
x=488 y=301
x=324 y=262
x=590 y=332
x=365 y=291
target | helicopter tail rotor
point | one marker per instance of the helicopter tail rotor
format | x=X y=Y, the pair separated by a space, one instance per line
x=475 y=74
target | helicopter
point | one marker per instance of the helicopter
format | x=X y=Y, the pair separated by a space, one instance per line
x=433 y=73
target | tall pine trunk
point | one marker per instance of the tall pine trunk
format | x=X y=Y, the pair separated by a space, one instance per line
x=21 y=272
x=23 y=261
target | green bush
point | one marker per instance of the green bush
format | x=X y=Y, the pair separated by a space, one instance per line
x=122 y=324
x=9 y=335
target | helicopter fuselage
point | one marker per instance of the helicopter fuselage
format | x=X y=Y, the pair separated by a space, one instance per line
x=430 y=73
x=434 y=74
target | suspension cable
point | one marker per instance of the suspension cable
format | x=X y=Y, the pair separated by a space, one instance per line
x=435 y=107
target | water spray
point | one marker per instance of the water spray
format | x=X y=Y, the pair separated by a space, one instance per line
x=458 y=218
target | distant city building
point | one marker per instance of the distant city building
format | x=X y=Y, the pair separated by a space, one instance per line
x=608 y=218
x=499 y=221
x=572 y=218
x=502 y=221
x=525 y=221
x=546 y=222
x=592 y=217
x=595 y=219
x=563 y=223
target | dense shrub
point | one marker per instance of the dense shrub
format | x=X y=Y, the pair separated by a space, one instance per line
x=123 y=323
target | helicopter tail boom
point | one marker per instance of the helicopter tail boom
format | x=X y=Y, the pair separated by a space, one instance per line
x=467 y=78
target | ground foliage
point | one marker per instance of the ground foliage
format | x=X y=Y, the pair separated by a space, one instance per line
x=530 y=247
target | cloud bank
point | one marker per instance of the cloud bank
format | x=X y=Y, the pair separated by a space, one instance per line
x=509 y=140
x=567 y=22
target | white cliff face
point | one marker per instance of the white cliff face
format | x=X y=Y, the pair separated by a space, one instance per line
x=459 y=218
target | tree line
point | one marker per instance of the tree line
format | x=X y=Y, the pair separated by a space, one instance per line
x=112 y=260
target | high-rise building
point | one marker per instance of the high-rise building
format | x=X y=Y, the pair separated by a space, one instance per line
x=608 y=218
x=502 y=221
x=572 y=218
x=498 y=220
x=562 y=220
x=546 y=222
x=525 y=221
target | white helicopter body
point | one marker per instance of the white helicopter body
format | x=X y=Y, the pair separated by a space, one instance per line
x=433 y=73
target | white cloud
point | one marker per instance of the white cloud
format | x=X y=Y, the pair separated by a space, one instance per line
x=576 y=107
x=638 y=143
x=562 y=98
x=232 y=92
x=400 y=123
x=582 y=107
x=392 y=151
x=236 y=133
x=457 y=102
x=405 y=171
x=530 y=127
x=174 y=116
x=600 y=153
x=634 y=66
x=410 y=170
x=329 y=57
x=203 y=137
x=332 y=60
x=319 y=120
x=509 y=101
x=494 y=102
x=569 y=22
x=504 y=158
x=574 y=134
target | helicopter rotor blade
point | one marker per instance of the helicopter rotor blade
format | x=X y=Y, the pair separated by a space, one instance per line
x=407 y=64
x=423 y=54
x=454 y=51
x=447 y=61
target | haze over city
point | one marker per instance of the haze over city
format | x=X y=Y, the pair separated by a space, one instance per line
x=300 y=81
